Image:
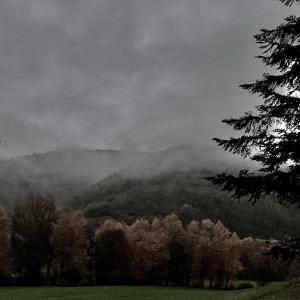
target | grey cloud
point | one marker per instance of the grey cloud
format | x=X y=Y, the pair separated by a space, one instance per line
x=129 y=73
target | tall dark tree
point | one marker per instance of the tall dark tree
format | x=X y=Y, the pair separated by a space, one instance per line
x=178 y=268
x=271 y=134
x=4 y=245
x=112 y=258
x=32 y=223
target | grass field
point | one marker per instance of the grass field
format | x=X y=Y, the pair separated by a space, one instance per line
x=283 y=291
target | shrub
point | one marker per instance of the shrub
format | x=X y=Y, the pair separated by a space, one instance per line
x=245 y=285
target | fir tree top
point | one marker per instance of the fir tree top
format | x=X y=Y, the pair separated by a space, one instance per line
x=271 y=134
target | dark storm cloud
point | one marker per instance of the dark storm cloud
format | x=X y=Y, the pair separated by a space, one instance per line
x=125 y=73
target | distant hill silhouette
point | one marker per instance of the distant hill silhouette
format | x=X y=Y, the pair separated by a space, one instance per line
x=63 y=172
x=66 y=172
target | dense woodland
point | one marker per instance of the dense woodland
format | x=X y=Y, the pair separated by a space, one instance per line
x=191 y=197
x=45 y=244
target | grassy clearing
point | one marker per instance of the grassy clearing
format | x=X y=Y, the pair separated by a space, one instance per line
x=282 y=291
x=118 y=292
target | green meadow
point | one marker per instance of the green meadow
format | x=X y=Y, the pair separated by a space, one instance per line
x=278 y=291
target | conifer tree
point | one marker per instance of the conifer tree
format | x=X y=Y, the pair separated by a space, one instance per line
x=271 y=134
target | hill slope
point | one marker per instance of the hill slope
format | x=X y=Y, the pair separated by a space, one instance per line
x=67 y=172
x=63 y=172
x=188 y=194
x=148 y=184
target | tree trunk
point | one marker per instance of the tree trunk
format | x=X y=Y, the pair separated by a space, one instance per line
x=226 y=283
x=49 y=265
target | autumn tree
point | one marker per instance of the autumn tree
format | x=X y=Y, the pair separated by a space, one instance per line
x=69 y=244
x=216 y=254
x=164 y=251
x=202 y=257
x=32 y=224
x=178 y=264
x=193 y=240
x=178 y=267
x=173 y=228
x=4 y=245
x=257 y=262
x=231 y=258
x=150 y=253
x=160 y=253
x=141 y=244
x=113 y=253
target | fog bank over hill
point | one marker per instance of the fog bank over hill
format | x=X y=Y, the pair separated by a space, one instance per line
x=66 y=172
x=184 y=157
x=129 y=184
x=63 y=172
x=77 y=163
x=157 y=187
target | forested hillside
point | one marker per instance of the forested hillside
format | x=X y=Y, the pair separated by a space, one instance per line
x=188 y=194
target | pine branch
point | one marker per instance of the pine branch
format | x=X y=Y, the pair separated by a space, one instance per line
x=276 y=154
x=287 y=32
x=247 y=123
x=283 y=56
x=286 y=185
x=289 y=2
x=246 y=144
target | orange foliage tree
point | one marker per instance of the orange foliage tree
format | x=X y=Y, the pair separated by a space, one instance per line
x=69 y=244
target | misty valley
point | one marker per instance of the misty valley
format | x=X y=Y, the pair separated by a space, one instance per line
x=131 y=165
x=120 y=217
x=127 y=185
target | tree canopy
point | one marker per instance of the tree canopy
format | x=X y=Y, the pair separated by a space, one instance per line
x=32 y=223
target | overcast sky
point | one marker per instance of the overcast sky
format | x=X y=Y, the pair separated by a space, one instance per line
x=129 y=74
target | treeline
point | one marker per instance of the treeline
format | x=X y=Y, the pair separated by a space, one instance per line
x=40 y=243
